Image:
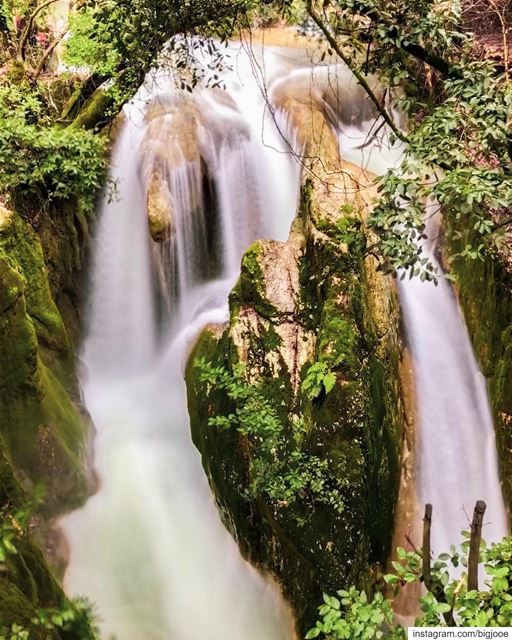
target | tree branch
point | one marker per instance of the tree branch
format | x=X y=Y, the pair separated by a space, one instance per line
x=30 y=24
x=417 y=51
x=358 y=75
x=47 y=53
x=503 y=223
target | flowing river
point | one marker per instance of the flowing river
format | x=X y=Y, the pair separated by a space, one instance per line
x=149 y=547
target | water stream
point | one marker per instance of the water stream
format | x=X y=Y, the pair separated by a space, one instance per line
x=149 y=548
x=457 y=461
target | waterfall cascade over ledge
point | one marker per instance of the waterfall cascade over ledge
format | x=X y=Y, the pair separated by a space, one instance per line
x=149 y=548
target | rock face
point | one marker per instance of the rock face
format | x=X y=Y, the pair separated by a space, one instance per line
x=313 y=299
x=171 y=142
x=485 y=289
x=26 y=583
x=42 y=429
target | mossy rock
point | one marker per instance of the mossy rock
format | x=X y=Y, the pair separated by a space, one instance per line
x=43 y=430
x=312 y=299
x=26 y=582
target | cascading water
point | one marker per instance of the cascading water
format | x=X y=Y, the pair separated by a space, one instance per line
x=149 y=548
x=456 y=441
x=456 y=445
x=458 y=462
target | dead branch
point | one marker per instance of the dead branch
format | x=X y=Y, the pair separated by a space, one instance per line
x=28 y=29
x=474 y=545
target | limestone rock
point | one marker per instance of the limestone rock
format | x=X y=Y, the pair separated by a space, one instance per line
x=312 y=299
x=171 y=144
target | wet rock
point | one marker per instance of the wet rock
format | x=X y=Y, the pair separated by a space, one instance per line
x=171 y=144
x=36 y=363
x=314 y=298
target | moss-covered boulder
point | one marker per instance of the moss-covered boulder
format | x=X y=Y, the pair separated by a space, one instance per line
x=42 y=428
x=28 y=587
x=313 y=303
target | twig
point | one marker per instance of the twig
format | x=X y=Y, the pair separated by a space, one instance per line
x=358 y=75
x=30 y=24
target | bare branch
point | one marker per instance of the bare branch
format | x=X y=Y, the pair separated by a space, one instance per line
x=474 y=545
x=28 y=29
x=427 y=524
x=47 y=53
x=358 y=75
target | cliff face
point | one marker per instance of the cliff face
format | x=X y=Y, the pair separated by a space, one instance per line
x=42 y=427
x=485 y=290
x=314 y=303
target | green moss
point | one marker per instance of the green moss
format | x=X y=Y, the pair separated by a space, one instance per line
x=309 y=546
x=26 y=582
x=251 y=286
x=42 y=428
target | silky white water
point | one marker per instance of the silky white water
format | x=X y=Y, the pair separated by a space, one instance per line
x=149 y=548
x=455 y=441
x=456 y=445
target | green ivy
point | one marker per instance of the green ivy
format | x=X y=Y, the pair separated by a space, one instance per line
x=279 y=470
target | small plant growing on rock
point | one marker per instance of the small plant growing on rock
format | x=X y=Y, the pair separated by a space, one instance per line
x=319 y=379
x=281 y=472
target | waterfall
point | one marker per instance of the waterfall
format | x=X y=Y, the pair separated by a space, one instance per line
x=455 y=438
x=457 y=456
x=149 y=547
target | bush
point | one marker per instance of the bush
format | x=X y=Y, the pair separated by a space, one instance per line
x=42 y=161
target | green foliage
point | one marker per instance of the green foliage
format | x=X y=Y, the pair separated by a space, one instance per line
x=319 y=379
x=458 y=145
x=72 y=617
x=130 y=34
x=88 y=44
x=293 y=12
x=457 y=158
x=354 y=616
x=41 y=161
x=75 y=617
x=280 y=470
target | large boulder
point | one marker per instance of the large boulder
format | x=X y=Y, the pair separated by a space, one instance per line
x=316 y=298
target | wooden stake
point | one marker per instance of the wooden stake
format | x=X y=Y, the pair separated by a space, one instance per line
x=427 y=525
x=474 y=545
